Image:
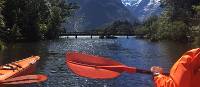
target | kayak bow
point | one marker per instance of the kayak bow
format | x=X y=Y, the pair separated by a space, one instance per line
x=18 y=68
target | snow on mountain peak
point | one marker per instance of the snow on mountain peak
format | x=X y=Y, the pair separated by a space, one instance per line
x=154 y=2
x=137 y=2
x=142 y=8
x=131 y=2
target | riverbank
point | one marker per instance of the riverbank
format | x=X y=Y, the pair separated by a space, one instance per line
x=155 y=37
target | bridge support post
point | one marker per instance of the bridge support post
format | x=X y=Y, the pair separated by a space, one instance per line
x=127 y=37
x=91 y=36
x=76 y=36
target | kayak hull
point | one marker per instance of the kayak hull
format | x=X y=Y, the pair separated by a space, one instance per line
x=22 y=67
x=27 y=71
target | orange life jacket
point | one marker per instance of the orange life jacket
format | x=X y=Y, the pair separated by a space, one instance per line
x=184 y=73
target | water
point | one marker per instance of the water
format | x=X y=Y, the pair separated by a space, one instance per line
x=132 y=52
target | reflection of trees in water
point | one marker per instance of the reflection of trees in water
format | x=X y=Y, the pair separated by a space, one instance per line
x=1 y=57
x=174 y=50
x=19 y=51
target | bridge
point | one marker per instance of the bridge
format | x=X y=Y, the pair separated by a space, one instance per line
x=76 y=34
x=93 y=34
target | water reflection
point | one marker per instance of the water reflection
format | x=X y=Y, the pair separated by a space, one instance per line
x=132 y=52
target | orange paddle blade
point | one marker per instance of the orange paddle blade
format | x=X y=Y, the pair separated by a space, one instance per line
x=95 y=67
x=25 y=79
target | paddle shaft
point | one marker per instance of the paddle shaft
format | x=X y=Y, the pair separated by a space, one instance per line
x=127 y=69
x=142 y=71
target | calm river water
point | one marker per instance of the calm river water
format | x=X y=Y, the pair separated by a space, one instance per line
x=132 y=52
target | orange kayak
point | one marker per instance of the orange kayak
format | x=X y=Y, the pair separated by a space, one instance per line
x=18 y=68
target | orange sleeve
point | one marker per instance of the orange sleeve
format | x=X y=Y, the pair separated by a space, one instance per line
x=163 y=81
x=182 y=71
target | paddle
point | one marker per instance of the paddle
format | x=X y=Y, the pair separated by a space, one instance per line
x=24 y=79
x=97 y=67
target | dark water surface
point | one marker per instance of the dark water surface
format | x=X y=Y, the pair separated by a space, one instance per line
x=132 y=52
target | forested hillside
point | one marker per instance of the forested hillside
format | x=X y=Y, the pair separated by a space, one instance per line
x=180 y=21
x=117 y=27
x=32 y=20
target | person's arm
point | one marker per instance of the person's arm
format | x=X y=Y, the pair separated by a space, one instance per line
x=161 y=80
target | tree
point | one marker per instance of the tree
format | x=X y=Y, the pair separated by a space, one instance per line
x=1 y=24
x=119 y=27
x=35 y=19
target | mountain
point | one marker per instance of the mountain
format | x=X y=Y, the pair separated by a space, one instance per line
x=142 y=9
x=97 y=13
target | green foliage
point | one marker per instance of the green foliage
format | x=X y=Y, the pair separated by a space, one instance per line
x=148 y=28
x=33 y=19
x=141 y=30
x=119 y=27
x=161 y=29
x=196 y=34
x=2 y=45
x=2 y=24
x=55 y=22
x=43 y=28
x=196 y=8
x=176 y=30
x=178 y=21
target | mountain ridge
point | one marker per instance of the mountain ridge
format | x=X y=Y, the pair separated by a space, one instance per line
x=96 y=13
